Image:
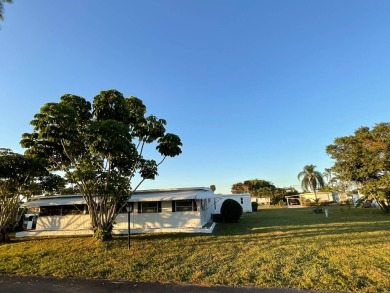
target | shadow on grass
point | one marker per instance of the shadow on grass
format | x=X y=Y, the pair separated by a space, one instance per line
x=286 y=224
x=280 y=223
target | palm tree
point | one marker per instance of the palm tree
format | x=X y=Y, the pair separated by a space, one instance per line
x=312 y=180
x=328 y=175
x=2 y=8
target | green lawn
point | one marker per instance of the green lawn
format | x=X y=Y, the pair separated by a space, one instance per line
x=348 y=251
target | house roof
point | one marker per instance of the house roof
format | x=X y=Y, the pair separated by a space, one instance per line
x=55 y=201
x=292 y=196
x=143 y=195
x=234 y=195
x=168 y=196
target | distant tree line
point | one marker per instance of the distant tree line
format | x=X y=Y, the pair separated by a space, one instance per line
x=258 y=188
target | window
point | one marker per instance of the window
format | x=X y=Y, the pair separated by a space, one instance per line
x=50 y=211
x=77 y=209
x=187 y=205
x=149 y=207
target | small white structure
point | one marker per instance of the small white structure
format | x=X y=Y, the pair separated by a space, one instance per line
x=162 y=210
x=263 y=201
x=322 y=196
x=294 y=201
x=355 y=198
x=299 y=200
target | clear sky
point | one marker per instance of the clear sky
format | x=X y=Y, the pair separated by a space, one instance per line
x=255 y=89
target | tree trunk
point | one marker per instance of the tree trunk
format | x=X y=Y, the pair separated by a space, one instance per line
x=314 y=190
x=4 y=236
x=102 y=233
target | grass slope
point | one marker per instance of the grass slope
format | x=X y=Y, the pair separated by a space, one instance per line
x=348 y=251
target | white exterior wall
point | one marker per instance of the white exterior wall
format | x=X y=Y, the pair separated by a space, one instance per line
x=68 y=222
x=243 y=199
x=322 y=196
x=262 y=200
x=207 y=209
x=165 y=219
x=159 y=220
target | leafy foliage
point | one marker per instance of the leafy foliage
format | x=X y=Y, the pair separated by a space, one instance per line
x=263 y=188
x=2 y=8
x=364 y=159
x=231 y=211
x=311 y=179
x=100 y=148
x=18 y=176
x=256 y=187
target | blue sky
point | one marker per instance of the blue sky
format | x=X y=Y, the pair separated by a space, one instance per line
x=255 y=89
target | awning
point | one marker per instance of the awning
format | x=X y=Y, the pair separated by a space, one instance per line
x=170 y=197
x=142 y=197
x=54 y=202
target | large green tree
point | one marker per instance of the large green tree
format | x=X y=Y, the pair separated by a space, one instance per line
x=311 y=179
x=100 y=148
x=364 y=159
x=18 y=179
x=2 y=8
x=256 y=188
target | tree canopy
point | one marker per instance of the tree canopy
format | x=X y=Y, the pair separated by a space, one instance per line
x=2 y=8
x=100 y=147
x=256 y=187
x=311 y=179
x=18 y=178
x=364 y=159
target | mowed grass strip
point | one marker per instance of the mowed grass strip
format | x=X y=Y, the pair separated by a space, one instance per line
x=294 y=248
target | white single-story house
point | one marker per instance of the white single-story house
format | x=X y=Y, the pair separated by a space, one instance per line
x=263 y=201
x=299 y=199
x=322 y=196
x=160 y=210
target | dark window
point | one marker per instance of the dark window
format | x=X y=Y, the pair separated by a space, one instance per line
x=187 y=205
x=51 y=211
x=77 y=209
x=149 y=207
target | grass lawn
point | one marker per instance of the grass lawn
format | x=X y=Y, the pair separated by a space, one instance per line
x=294 y=248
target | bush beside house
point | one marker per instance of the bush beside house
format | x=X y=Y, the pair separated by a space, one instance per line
x=231 y=211
x=255 y=205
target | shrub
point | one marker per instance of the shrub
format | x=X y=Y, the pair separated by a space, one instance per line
x=231 y=211
x=255 y=205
